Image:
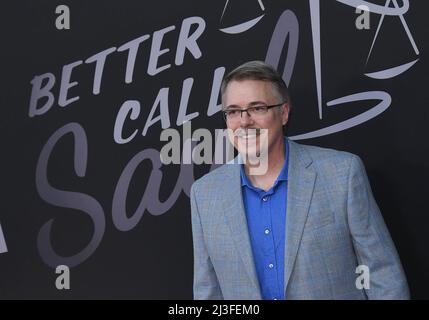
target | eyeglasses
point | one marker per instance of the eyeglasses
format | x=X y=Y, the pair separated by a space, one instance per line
x=256 y=112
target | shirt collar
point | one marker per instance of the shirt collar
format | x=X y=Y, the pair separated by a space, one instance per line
x=283 y=176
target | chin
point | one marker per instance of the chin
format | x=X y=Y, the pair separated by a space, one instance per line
x=247 y=151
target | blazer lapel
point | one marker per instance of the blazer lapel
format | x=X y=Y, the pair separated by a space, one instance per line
x=235 y=217
x=301 y=179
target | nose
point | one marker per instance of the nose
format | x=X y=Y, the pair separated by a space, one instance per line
x=245 y=119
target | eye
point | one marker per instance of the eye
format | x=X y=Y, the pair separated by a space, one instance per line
x=231 y=112
x=260 y=108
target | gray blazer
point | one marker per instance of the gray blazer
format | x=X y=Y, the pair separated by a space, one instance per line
x=333 y=225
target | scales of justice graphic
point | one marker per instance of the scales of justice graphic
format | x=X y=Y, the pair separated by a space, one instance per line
x=391 y=9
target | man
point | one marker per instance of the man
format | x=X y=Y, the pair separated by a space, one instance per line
x=299 y=231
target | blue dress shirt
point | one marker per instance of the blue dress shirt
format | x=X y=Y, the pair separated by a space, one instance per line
x=266 y=220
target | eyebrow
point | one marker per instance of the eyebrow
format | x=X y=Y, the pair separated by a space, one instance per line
x=253 y=103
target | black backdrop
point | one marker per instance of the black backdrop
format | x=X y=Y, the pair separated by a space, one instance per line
x=152 y=257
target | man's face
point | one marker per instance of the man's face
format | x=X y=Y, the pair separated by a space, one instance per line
x=251 y=93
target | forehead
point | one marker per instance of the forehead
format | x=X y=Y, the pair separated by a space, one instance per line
x=245 y=91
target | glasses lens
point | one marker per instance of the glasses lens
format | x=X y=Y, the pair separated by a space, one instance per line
x=231 y=114
x=258 y=110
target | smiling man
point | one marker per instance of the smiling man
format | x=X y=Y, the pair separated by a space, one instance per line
x=298 y=231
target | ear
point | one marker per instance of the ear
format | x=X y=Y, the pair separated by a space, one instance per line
x=285 y=113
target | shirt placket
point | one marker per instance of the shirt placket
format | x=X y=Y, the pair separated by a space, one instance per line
x=269 y=244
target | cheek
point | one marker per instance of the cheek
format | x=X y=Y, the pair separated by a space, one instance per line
x=272 y=122
x=232 y=126
x=231 y=129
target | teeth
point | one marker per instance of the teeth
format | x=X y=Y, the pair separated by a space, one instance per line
x=248 y=136
x=241 y=133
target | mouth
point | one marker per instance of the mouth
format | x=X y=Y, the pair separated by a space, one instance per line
x=250 y=133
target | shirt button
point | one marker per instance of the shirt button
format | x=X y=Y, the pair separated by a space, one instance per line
x=267 y=231
x=270 y=266
x=265 y=199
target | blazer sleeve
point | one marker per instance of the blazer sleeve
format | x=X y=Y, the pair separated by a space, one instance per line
x=373 y=245
x=206 y=285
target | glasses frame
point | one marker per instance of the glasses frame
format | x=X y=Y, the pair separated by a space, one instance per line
x=224 y=112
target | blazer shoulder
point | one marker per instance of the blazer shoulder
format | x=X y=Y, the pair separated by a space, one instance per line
x=216 y=177
x=327 y=157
